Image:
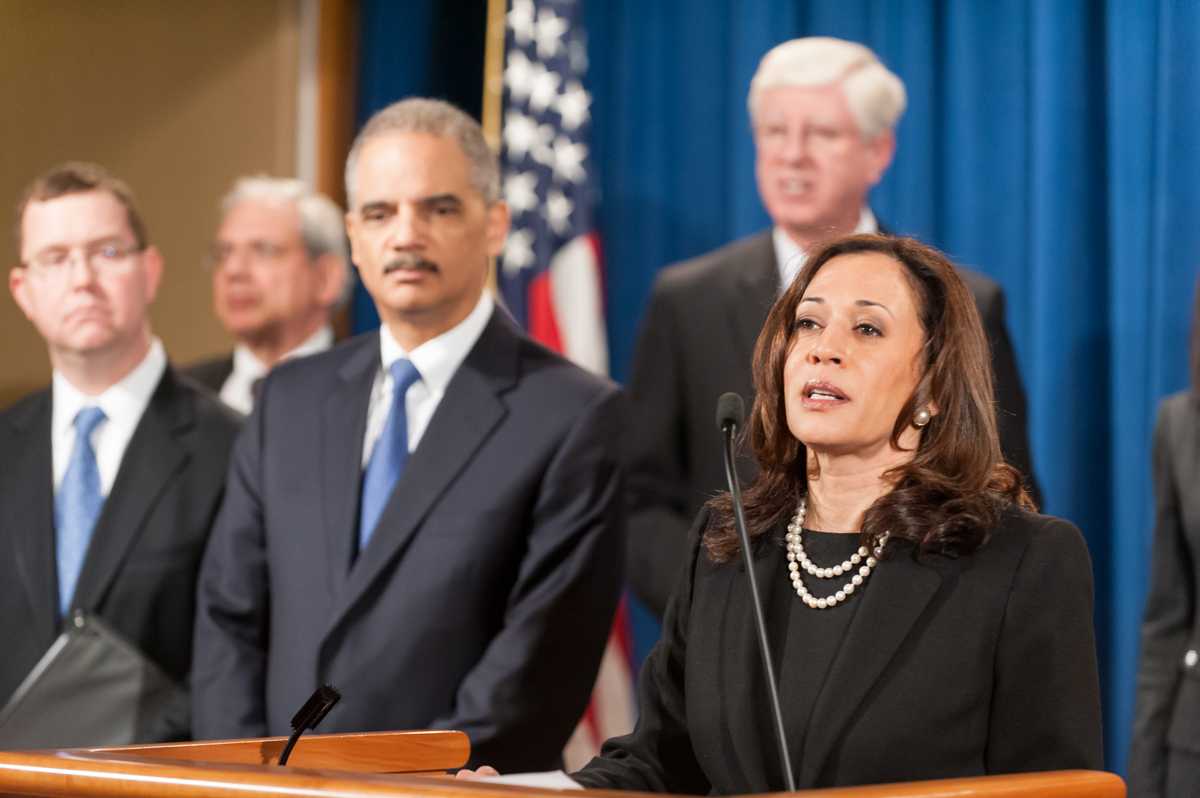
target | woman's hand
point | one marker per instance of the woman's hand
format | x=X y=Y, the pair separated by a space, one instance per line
x=478 y=773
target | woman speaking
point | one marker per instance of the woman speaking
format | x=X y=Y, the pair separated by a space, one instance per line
x=925 y=621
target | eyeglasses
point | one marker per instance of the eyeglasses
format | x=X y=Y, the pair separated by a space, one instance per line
x=99 y=255
x=257 y=251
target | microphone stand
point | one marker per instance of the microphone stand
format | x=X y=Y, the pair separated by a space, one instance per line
x=313 y=711
x=729 y=428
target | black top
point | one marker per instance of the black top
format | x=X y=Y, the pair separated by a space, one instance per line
x=813 y=636
x=940 y=667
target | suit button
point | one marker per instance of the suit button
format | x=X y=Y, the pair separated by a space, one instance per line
x=1190 y=658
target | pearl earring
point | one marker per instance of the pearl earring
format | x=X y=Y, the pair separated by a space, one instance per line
x=921 y=418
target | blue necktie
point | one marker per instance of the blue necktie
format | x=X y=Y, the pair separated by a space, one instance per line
x=390 y=454
x=77 y=505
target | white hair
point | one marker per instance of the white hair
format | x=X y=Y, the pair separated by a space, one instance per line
x=875 y=95
x=321 y=224
x=435 y=118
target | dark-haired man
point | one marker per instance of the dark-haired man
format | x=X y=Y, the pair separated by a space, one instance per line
x=111 y=477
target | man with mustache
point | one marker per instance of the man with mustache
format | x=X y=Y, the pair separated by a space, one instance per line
x=427 y=517
x=823 y=113
x=112 y=477
x=280 y=271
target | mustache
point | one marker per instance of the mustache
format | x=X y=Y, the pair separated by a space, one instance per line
x=409 y=262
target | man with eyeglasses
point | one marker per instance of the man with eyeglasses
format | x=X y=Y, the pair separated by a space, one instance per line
x=823 y=113
x=280 y=271
x=110 y=479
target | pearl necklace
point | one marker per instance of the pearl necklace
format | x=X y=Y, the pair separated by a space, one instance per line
x=798 y=559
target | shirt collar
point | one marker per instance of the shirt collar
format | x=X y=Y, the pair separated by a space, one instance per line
x=247 y=365
x=790 y=256
x=122 y=402
x=438 y=358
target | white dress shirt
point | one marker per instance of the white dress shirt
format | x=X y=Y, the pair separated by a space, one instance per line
x=238 y=389
x=436 y=360
x=123 y=405
x=791 y=257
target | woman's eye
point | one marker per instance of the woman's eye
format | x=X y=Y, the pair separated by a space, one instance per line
x=869 y=329
x=804 y=324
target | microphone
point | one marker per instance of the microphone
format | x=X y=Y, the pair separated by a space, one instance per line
x=730 y=413
x=313 y=712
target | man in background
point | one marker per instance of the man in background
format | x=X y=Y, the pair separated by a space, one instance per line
x=111 y=478
x=824 y=113
x=280 y=272
x=427 y=517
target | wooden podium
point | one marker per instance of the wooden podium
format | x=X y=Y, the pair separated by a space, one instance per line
x=397 y=764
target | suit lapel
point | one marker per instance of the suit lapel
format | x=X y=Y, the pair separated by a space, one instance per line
x=153 y=457
x=893 y=600
x=756 y=286
x=467 y=414
x=26 y=490
x=343 y=426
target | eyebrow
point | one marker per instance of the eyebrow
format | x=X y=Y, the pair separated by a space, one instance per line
x=425 y=202
x=115 y=238
x=862 y=303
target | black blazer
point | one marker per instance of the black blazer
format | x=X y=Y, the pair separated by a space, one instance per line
x=139 y=574
x=211 y=373
x=949 y=668
x=697 y=342
x=484 y=599
x=1167 y=714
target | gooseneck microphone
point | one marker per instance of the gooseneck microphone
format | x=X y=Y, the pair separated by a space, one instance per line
x=314 y=710
x=730 y=413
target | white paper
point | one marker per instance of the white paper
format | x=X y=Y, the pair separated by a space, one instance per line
x=547 y=780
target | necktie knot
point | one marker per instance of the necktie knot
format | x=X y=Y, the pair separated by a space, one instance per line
x=404 y=374
x=87 y=420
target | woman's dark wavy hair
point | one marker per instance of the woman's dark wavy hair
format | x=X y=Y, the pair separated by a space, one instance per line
x=952 y=492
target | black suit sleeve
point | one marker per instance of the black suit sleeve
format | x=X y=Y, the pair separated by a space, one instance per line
x=658 y=755
x=229 y=665
x=1045 y=712
x=658 y=479
x=1012 y=415
x=522 y=699
x=1167 y=621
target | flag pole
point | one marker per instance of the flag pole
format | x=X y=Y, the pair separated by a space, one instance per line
x=493 y=72
x=493 y=90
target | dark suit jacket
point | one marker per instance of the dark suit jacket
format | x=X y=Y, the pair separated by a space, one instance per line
x=211 y=373
x=484 y=598
x=948 y=668
x=1167 y=716
x=140 y=571
x=696 y=343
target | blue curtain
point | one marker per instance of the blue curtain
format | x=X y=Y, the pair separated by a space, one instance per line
x=1045 y=144
x=1049 y=145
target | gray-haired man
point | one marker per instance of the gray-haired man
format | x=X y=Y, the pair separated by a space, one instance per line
x=280 y=271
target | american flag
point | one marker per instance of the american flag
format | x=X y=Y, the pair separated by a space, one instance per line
x=550 y=272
